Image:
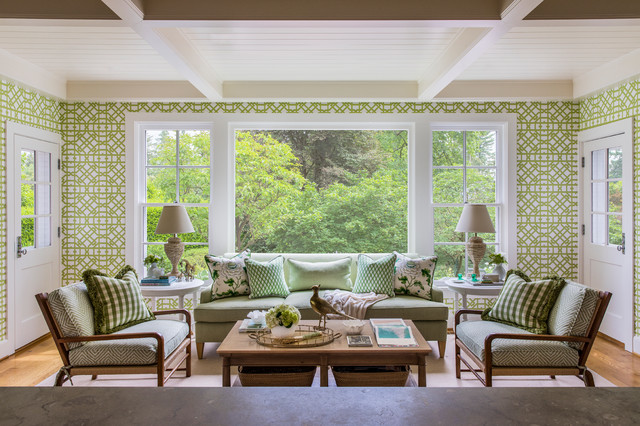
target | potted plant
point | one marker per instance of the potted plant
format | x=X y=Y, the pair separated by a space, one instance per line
x=151 y=262
x=282 y=320
x=499 y=261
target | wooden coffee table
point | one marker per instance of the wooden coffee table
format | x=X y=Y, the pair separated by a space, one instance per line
x=239 y=349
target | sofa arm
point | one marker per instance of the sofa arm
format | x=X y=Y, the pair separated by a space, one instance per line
x=205 y=294
x=437 y=295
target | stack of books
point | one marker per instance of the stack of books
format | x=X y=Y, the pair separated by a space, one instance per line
x=163 y=280
x=393 y=333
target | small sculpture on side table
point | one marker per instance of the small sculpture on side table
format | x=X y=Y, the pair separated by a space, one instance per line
x=188 y=271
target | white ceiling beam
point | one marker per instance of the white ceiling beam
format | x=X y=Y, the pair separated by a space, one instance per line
x=468 y=46
x=131 y=91
x=320 y=90
x=507 y=90
x=608 y=75
x=173 y=46
x=28 y=74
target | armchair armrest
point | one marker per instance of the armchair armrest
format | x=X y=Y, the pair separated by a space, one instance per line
x=466 y=311
x=122 y=336
x=546 y=337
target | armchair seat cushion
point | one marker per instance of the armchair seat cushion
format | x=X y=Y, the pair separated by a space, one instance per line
x=515 y=353
x=141 y=351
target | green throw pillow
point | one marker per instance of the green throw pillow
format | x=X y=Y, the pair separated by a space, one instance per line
x=117 y=302
x=525 y=304
x=328 y=275
x=267 y=278
x=375 y=276
x=229 y=275
x=414 y=277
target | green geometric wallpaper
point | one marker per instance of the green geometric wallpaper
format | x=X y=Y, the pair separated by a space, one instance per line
x=25 y=107
x=93 y=183
x=612 y=105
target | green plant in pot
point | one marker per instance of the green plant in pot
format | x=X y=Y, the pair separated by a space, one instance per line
x=499 y=261
x=151 y=262
x=282 y=320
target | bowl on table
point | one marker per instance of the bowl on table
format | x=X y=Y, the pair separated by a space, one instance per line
x=353 y=326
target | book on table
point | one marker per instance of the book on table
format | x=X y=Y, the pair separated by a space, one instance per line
x=248 y=325
x=393 y=333
x=157 y=281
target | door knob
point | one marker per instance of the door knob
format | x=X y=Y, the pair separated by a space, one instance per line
x=20 y=251
x=621 y=247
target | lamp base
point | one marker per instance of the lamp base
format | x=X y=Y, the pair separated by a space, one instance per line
x=174 y=248
x=476 y=248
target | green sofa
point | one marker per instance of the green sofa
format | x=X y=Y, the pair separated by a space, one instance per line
x=214 y=319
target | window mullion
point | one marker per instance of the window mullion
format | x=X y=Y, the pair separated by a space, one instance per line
x=177 y=166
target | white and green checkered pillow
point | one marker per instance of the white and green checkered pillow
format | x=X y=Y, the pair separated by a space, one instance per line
x=414 y=277
x=117 y=302
x=525 y=304
x=375 y=275
x=229 y=275
x=267 y=278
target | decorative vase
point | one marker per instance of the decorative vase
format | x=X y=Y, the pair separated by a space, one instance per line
x=282 y=332
x=153 y=271
x=500 y=270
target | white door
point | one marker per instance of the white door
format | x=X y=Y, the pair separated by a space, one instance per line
x=33 y=219
x=607 y=218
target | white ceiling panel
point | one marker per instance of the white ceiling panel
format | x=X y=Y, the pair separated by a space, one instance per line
x=553 y=53
x=335 y=52
x=87 y=53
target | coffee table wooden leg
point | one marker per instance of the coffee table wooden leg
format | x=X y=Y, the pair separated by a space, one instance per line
x=226 y=372
x=324 y=372
x=422 y=372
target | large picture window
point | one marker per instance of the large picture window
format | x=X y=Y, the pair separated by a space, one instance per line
x=466 y=164
x=321 y=191
x=177 y=167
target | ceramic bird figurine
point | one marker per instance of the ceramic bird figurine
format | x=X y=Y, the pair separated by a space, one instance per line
x=323 y=308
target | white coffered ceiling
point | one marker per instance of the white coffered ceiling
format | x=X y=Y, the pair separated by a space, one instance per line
x=518 y=53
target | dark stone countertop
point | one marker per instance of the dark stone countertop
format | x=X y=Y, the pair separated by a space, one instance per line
x=319 y=406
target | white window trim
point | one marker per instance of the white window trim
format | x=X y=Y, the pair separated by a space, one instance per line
x=223 y=126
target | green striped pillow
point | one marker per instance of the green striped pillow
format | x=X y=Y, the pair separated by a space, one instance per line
x=117 y=302
x=375 y=276
x=525 y=304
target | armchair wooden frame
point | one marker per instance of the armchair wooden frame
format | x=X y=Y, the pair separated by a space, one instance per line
x=171 y=363
x=490 y=370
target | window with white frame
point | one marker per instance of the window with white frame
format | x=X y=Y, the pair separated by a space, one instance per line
x=177 y=169
x=466 y=166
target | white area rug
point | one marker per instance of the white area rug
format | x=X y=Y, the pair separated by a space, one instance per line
x=207 y=372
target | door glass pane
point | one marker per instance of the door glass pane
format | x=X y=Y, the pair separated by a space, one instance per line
x=615 y=229
x=615 y=196
x=43 y=166
x=481 y=148
x=447 y=186
x=27 y=231
x=161 y=147
x=27 y=200
x=43 y=231
x=599 y=229
x=161 y=185
x=447 y=148
x=481 y=185
x=599 y=197
x=27 y=165
x=598 y=164
x=194 y=185
x=43 y=202
x=194 y=148
x=615 y=163
x=450 y=261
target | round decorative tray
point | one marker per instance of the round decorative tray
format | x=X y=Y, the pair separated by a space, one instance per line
x=306 y=336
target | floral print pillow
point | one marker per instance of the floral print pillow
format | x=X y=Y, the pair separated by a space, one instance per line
x=414 y=277
x=229 y=275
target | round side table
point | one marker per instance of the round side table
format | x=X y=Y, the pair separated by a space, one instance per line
x=465 y=289
x=176 y=288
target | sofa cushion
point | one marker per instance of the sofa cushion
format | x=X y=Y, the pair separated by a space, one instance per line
x=525 y=304
x=328 y=275
x=414 y=277
x=117 y=302
x=229 y=275
x=514 y=353
x=71 y=307
x=375 y=275
x=132 y=351
x=267 y=278
x=233 y=309
x=572 y=313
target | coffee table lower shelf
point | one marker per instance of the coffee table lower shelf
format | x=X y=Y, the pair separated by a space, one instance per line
x=238 y=349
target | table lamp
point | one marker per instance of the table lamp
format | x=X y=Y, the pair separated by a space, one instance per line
x=174 y=220
x=475 y=218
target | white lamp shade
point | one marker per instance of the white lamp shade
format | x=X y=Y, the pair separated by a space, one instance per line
x=475 y=218
x=174 y=220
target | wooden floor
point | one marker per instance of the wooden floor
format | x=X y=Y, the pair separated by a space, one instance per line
x=40 y=360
